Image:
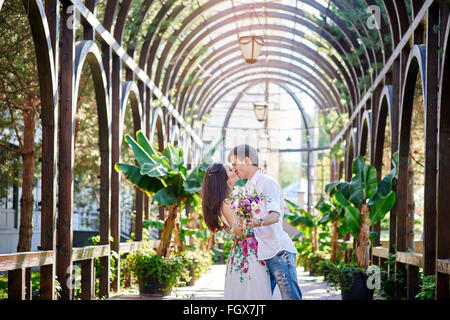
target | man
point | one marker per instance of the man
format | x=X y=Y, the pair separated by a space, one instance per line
x=274 y=244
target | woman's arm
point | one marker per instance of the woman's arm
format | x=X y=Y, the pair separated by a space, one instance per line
x=232 y=219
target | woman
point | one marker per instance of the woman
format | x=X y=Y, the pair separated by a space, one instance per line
x=246 y=278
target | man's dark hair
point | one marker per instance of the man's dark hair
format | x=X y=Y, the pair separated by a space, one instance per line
x=244 y=151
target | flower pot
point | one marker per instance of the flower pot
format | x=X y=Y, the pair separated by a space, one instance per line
x=356 y=288
x=151 y=286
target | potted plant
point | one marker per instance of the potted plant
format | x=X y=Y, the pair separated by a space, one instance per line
x=156 y=275
x=350 y=279
x=365 y=202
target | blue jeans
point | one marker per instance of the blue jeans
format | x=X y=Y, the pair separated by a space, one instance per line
x=283 y=271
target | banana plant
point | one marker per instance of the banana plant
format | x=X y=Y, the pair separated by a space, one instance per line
x=164 y=177
x=365 y=202
x=300 y=218
x=334 y=214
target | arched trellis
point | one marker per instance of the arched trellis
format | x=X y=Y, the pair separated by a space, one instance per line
x=158 y=126
x=384 y=113
x=350 y=153
x=233 y=74
x=232 y=34
x=400 y=29
x=271 y=75
x=130 y=92
x=216 y=56
x=304 y=116
x=364 y=136
x=169 y=45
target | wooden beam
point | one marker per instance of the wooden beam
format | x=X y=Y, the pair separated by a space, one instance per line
x=380 y=252
x=410 y=258
x=126 y=247
x=90 y=252
x=443 y=266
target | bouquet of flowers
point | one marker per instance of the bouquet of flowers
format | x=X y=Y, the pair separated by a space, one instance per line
x=245 y=204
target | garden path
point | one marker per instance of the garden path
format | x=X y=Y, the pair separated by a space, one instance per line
x=210 y=287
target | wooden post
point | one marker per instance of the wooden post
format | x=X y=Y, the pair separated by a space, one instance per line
x=443 y=169
x=87 y=279
x=431 y=106
x=412 y=282
x=48 y=198
x=66 y=150
x=115 y=157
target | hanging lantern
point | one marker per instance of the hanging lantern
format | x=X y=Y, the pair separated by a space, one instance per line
x=251 y=47
x=260 y=111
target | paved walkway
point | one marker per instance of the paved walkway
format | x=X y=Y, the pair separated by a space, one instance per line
x=210 y=287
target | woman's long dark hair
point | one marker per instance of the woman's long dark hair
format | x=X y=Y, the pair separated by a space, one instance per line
x=214 y=191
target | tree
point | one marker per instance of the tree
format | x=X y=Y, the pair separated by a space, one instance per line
x=365 y=201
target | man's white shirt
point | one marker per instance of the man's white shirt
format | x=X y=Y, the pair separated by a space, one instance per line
x=271 y=239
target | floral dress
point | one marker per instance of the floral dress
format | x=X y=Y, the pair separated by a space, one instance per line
x=246 y=278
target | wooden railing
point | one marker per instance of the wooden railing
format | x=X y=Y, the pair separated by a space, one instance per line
x=412 y=261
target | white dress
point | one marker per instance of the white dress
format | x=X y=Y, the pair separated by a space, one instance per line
x=246 y=278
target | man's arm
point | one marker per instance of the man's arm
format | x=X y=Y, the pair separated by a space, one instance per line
x=270 y=191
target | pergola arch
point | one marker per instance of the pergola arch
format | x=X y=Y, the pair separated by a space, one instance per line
x=384 y=113
x=130 y=91
x=315 y=96
x=341 y=48
x=183 y=93
x=275 y=42
x=365 y=138
x=158 y=126
x=415 y=67
x=182 y=48
x=242 y=68
x=351 y=152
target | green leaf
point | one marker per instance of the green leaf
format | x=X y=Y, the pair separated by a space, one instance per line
x=357 y=183
x=133 y=174
x=153 y=170
x=353 y=219
x=166 y=197
x=140 y=154
x=144 y=143
x=157 y=224
x=372 y=236
x=341 y=199
x=370 y=181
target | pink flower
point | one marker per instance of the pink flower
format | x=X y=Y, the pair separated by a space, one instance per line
x=257 y=211
x=245 y=270
x=246 y=201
